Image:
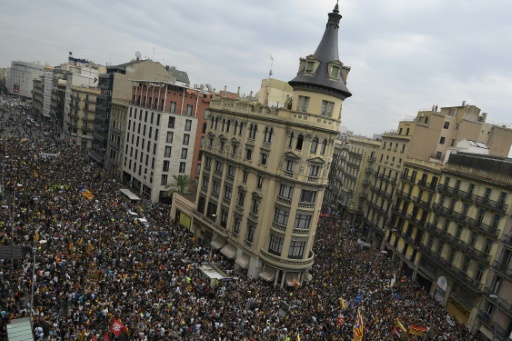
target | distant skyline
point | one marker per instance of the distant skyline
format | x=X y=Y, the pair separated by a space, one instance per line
x=405 y=55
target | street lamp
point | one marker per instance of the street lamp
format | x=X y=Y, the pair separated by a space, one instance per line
x=34 y=251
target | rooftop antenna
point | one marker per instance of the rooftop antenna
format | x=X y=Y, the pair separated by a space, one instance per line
x=268 y=78
x=271 y=64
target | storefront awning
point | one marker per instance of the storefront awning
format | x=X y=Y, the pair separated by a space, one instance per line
x=268 y=274
x=243 y=261
x=292 y=279
x=218 y=243
x=229 y=251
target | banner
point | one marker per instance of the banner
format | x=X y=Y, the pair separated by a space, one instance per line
x=116 y=327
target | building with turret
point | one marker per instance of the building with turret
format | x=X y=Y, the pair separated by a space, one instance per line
x=265 y=169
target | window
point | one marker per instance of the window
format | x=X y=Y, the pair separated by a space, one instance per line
x=438 y=155
x=228 y=191
x=281 y=216
x=236 y=225
x=208 y=162
x=290 y=144
x=172 y=107
x=165 y=167
x=182 y=167
x=314 y=170
x=276 y=245
x=231 y=171
x=488 y=246
x=222 y=143
x=289 y=165
x=310 y=65
x=473 y=239
x=479 y=273
x=303 y=104
x=300 y=141
x=206 y=182
x=189 y=109
x=170 y=136
x=314 y=145
x=297 y=249
x=218 y=166
x=307 y=196
x=246 y=175
x=326 y=109
x=188 y=125
x=263 y=158
x=324 y=147
x=234 y=149
x=446 y=125
x=186 y=139
x=223 y=218
x=250 y=233
x=240 y=199
x=302 y=221
x=267 y=136
x=335 y=72
x=260 y=182
x=167 y=151
x=216 y=187
x=248 y=154
x=172 y=121
x=255 y=205
x=252 y=131
x=442 y=139
x=286 y=191
x=163 y=181
x=184 y=153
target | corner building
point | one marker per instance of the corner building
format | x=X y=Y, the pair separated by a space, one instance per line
x=265 y=169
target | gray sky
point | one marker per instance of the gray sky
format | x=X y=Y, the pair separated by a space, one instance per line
x=405 y=55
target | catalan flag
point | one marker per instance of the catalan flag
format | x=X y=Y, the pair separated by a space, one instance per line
x=24 y=140
x=358 y=327
x=417 y=330
x=87 y=194
x=400 y=325
x=342 y=303
x=298 y=337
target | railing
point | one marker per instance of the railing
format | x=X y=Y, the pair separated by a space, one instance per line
x=300 y=231
x=284 y=200
x=279 y=262
x=485 y=201
x=279 y=227
x=306 y=205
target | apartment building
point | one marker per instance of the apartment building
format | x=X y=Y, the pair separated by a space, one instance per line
x=265 y=169
x=82 y=111
x=20 y=80
x=177 y=131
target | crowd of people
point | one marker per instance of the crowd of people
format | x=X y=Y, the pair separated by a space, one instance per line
x=99 y=265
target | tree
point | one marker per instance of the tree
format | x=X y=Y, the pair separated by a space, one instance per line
x=182 y=182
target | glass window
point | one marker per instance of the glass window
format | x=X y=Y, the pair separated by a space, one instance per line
x=170 y=136
x=165 y=167
x=276 y=245
x=297 y=249
x=281 y=216
x=172 y=121
x=307 y=196
x=327 y=108
x=182 y=167
x=186 y=139
x=228 y=191
x=314 y=170
x=167 y=151
x=303 y=104
x=184 y=153
x=335 y=72
x=163 y=181
x=314 y=145
x=302 y=221
x=250 y=233
x=188 y=125
x=286 y=191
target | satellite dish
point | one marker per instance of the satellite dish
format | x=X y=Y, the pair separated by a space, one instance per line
x=137 y=54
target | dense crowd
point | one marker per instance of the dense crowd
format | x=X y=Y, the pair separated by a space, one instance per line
x=99 y=264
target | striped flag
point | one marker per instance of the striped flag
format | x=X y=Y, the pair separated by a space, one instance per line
x=87 y=194
x=417 y=330
x=359 y=327
x=400 y=325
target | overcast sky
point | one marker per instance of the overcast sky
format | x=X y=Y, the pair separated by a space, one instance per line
x=405 y=55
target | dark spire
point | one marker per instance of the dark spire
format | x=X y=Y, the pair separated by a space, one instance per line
x=327 y=50
x=325 y=54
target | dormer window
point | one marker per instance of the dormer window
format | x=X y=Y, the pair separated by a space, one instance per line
x=310 y=66
x=335 y=72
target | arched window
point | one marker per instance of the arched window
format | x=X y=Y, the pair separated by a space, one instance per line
x=216 y=122
x=300 y=141
x=290 y=144
x=324 y=147
x=314 y=145
x=267 y=137
x=241 y=128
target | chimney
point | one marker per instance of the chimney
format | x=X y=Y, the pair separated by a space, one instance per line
x=463 y=103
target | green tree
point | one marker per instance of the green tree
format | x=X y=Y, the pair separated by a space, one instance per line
x=182 y=182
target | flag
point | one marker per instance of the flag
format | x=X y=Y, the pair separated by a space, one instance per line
x=298 y=337
x=116 y=327
x=295 y=283
x=36 y=237
x=106 y=337
x=400 y=325
x=417 y=330
x=342 y=303
x=395 y=332
x=359 y=326
x=36 y=175
x=87 y=194
x=24 y=140
x=340 y=321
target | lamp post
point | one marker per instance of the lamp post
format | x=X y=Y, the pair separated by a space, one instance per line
x=497 y=298
x=34 y=251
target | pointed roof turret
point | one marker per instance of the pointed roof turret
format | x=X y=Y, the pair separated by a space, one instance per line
x=316 y=71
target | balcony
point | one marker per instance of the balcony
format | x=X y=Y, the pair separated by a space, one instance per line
x=498 y=206
x=499 y=302
x=287 y=263
x=402 y=194
x=279 y=227
x=507 y=241
x=366 y=182
x=306 y=205
x=466 y=196
x=408 y=179
x=300 y=232
x=463 y=278
x=371 y=159
x=368 y=170
x=503 y=269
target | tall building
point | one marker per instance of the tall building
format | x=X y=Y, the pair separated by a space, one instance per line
x=21 y=78
x=82 y=110
x=162 y=136
x=265 y=169
x=116 y=84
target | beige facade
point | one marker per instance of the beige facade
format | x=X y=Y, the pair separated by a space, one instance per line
x=117 y=134
x=274 y=93
x=265 y=170
x=82 y=112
